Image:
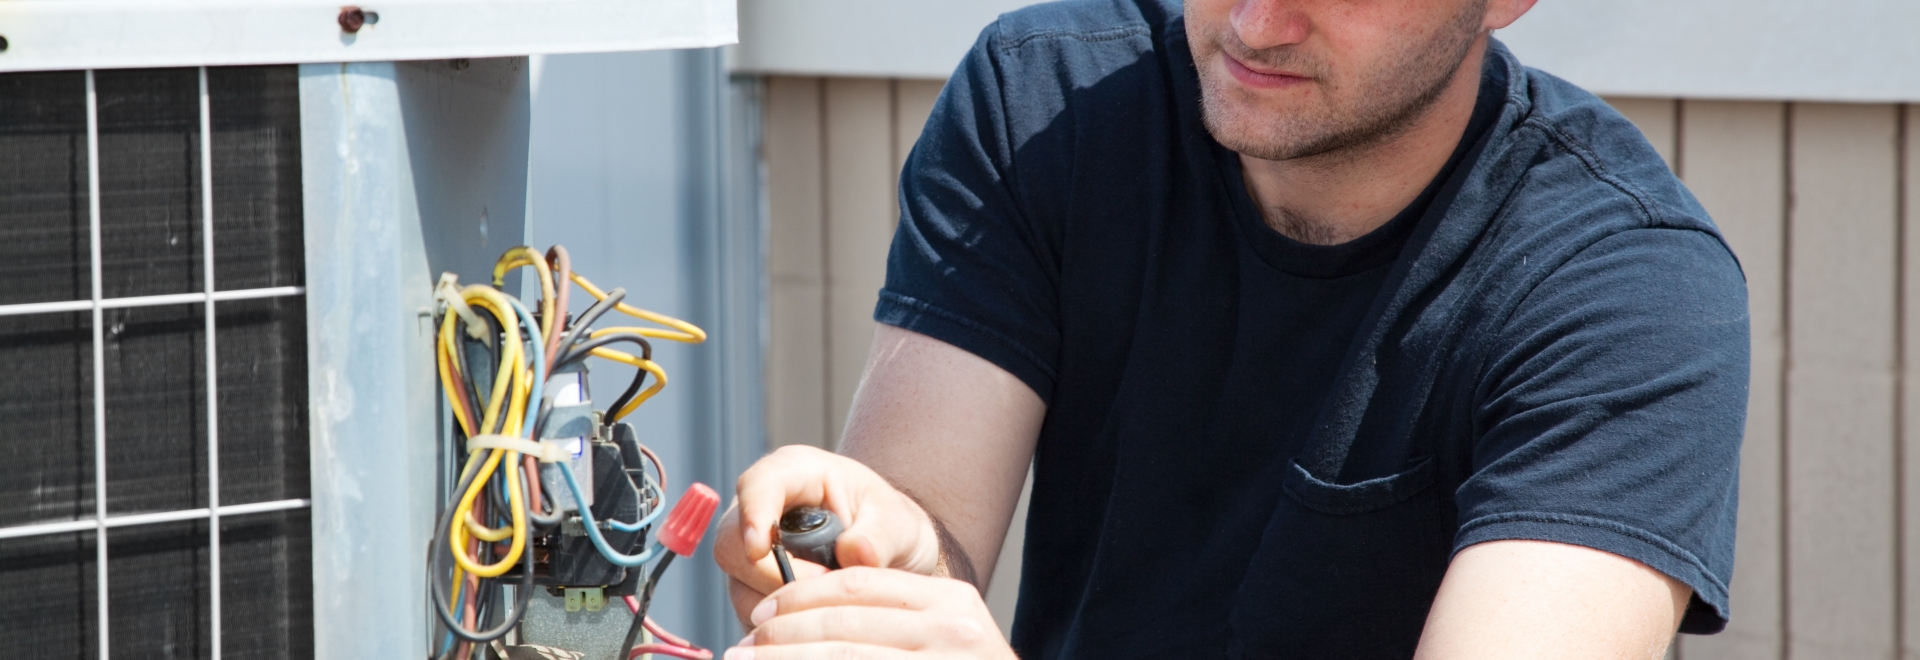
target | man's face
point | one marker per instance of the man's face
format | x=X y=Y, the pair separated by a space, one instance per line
x=1285 y=79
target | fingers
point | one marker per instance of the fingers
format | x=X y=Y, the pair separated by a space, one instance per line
x=872 y=613
x=869 y=587
x=789 y=477
x=817 y=651
x=877 y=626
x=760 y=576
x=744 y=598
x=883 y=527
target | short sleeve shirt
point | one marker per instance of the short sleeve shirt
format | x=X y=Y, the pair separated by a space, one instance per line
x=1259 y=448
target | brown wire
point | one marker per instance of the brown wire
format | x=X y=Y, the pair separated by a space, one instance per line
x=658 y=466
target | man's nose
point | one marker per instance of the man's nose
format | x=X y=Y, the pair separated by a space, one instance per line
x=1263 y=24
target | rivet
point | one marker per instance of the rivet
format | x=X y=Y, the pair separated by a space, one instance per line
x=352 y=19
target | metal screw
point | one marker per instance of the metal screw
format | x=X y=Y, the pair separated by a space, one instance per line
x=3 y=44
x=352 y=19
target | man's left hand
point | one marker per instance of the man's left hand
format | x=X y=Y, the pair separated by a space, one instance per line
x=876 y=613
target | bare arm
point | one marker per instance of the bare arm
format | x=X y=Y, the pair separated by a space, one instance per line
x=1535 y=599
x=952 y=430
x=936 y=433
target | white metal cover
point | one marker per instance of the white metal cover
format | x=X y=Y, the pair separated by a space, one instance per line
x=100 y=34
x=1831 y=50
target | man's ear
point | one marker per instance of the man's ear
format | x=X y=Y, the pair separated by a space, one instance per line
x=1502 y=13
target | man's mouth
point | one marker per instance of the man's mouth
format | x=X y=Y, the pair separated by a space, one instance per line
x=1260 y=77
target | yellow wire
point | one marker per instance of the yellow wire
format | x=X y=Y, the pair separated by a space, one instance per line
x=659 y=379
x=512 y=387
x=447 y=373
x=686 y=332
x=521 y=256
x=513 y=376
x=476 y=295
x=458 y=539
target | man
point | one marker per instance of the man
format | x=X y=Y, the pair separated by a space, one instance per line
x=1329 y=329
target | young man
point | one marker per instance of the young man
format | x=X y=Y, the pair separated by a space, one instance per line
x=1330 y=332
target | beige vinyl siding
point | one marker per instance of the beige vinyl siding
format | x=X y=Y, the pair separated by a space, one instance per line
x=1814 y=199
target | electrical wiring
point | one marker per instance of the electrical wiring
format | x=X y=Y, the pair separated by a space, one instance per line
x=493 y=357
x=682 y=331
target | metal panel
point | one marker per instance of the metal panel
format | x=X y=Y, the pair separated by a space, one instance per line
x=73 y=34
x=796 y=376
x=1727 y=49
x=409 y=170
x=861 y=213
x=1735 y=162
x=1840 y=439
x=1713 y=49
x=861 y=37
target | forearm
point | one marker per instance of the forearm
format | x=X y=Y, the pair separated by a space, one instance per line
x=954 y=433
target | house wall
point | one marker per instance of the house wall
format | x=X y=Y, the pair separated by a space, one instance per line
x=1812 y=196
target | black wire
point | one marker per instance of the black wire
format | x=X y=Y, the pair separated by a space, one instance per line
x=639 y=377
x=646 y=601
x=438 y=590
x=587 y=318
x=580 y=351
x=490 y=342
x=786 y=567
x=457 y=354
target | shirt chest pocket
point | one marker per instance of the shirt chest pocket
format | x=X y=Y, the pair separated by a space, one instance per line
x=1344 y=570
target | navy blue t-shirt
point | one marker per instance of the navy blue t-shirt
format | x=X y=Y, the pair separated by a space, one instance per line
x=1259 y=448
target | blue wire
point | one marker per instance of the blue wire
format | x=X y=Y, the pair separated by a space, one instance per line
x=593 y=530
x=539 y=362
x=642 y=524
x=458 y=604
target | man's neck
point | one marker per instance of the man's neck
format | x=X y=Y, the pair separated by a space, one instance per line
x=1338 y=196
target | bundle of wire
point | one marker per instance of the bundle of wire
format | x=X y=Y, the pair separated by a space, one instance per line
x=499 y=503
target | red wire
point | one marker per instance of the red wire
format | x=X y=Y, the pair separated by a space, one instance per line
x=665 y=636
x=670 y=650
x=633 y=604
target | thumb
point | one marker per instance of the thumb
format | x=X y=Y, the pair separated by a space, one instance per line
x=856 y=550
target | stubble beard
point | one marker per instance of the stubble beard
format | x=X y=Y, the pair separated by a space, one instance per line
x=1352 y=112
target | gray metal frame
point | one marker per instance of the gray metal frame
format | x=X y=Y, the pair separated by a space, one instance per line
x=409 y=169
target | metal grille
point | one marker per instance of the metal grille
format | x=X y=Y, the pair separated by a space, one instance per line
x=153 y=435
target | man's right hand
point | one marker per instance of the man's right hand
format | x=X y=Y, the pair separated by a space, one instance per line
x=884 y=528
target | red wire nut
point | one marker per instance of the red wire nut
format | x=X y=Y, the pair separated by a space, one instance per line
x=688 y=521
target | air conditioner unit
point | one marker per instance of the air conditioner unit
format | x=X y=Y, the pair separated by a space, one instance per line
x=219 y=227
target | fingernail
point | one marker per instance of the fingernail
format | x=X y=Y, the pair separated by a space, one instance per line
x=765 y=610
x=746 y=641
x=737 y=653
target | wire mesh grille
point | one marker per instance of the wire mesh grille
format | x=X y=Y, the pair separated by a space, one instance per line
x=189 y=410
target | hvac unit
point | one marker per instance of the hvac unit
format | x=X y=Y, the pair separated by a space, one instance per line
x=220 y=226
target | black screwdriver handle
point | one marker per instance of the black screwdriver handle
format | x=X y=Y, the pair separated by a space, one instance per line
x=809 y=532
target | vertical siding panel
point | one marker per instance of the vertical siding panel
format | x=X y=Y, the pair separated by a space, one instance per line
x=1841 y=521
x=796 y=403
x=1656 y=119
x=1910 y=384
x=859 y=225
x=1735 y=162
